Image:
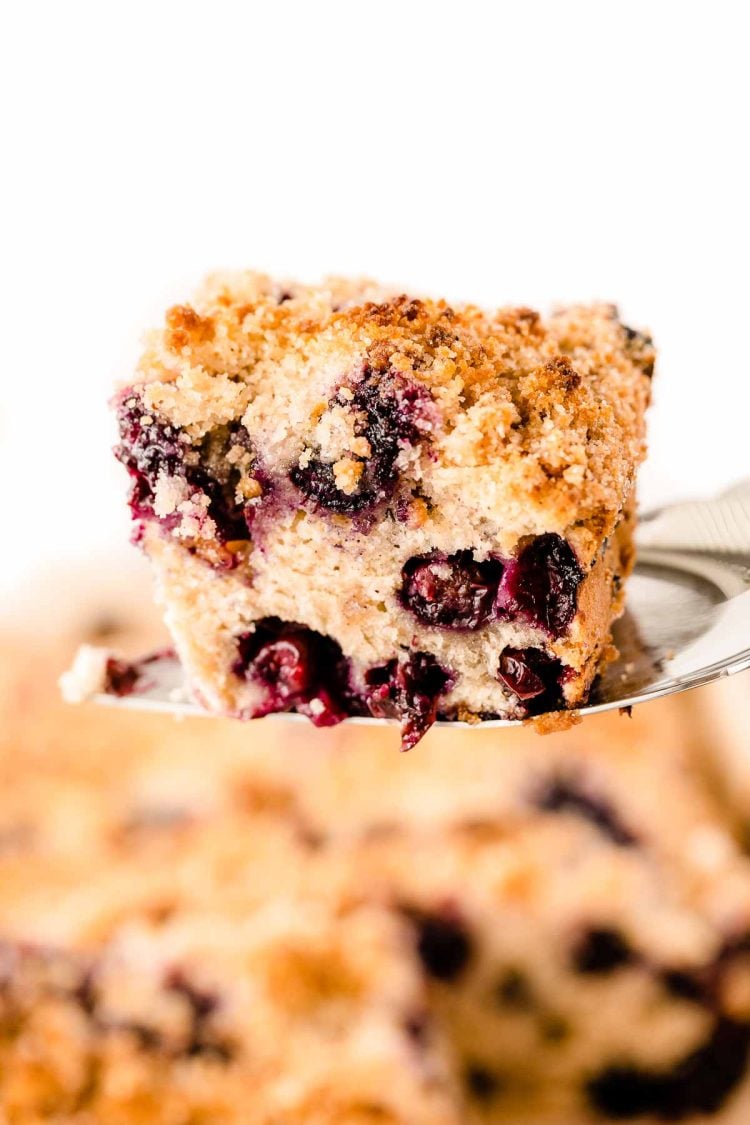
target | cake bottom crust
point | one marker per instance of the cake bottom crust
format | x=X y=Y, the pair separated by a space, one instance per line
x=298 y=583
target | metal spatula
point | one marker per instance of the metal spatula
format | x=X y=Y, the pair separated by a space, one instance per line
x=687 y=622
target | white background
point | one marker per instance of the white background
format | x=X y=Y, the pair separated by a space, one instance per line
x=508 y=152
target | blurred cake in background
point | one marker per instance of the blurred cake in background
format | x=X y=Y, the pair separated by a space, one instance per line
x=213 y=922
x=725 y=727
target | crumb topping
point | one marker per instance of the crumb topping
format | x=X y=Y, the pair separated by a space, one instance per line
x=554 y=406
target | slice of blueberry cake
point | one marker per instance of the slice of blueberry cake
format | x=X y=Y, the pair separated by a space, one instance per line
x=360 y=503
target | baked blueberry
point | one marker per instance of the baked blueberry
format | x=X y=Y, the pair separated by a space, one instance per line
x=450 y=591
x=388 y=413
x=296 y=670
x=443 y=944
x=409 y=690
x=541 y=584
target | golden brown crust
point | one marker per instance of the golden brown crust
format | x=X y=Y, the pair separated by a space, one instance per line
x=554 y=406
x=554 y=721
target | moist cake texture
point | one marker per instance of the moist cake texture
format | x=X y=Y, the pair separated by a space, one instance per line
x=197 y=926
x=359 y=502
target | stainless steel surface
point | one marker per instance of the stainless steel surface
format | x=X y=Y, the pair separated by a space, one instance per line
x=687 y=623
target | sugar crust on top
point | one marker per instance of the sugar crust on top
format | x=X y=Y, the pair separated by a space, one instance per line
x=539 y=421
